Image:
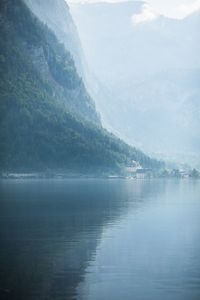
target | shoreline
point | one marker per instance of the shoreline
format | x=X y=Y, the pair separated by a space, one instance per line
x=30 y=176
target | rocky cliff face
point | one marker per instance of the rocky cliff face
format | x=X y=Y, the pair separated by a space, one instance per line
x=56 y=15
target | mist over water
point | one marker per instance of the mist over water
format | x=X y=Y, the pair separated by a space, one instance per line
x=100 y=239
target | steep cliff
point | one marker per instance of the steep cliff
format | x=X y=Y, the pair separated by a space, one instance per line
x=56 y=15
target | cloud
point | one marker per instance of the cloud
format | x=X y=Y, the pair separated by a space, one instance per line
x=185 y=10
x=148 y=14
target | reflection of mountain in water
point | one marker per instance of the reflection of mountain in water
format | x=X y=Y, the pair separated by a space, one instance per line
x=50 y=231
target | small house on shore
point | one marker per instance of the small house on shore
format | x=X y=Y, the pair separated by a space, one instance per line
x=143 y=173
x=134 y=169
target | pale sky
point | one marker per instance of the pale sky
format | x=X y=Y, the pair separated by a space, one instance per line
x=171 y=8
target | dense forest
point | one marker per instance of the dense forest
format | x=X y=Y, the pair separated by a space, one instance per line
x=47 y=118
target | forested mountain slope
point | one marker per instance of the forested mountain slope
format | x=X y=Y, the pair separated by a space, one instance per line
x=47 y=118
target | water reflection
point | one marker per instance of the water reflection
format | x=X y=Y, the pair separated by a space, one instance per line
x=71 y=239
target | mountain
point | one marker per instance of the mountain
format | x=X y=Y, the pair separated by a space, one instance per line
x=56 y=15
x=149 y=72
x=117 y=49
x=48 y=120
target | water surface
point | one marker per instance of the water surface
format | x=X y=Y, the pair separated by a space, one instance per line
x=100 y=239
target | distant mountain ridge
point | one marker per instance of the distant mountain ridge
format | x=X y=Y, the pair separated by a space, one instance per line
x=141 y=69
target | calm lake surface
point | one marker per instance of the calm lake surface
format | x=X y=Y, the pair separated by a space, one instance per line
x=100 y=239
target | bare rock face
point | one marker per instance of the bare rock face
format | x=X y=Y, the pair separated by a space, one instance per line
x=56 y=15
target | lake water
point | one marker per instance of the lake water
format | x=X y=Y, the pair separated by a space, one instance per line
x=100 y=239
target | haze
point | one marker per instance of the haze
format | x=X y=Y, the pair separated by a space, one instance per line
x=170 y=8
x=147 y=67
